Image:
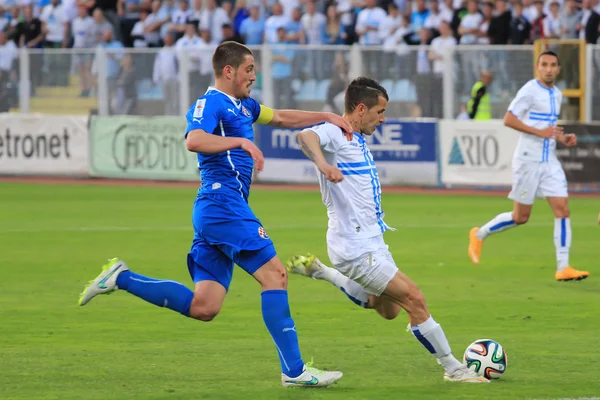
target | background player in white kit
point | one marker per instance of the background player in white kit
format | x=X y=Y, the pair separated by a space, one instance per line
x=536 y=169
x=364 y=268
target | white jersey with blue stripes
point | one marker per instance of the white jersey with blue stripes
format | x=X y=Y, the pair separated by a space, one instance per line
x=537 y=106
x=354 y=204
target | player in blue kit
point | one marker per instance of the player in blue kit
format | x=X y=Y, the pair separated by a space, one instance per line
x=226 y=231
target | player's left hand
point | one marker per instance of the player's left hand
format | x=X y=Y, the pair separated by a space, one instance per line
x=570 y=140
x=343 y=124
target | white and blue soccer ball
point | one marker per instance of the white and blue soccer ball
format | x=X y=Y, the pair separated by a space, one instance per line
x=486 y=357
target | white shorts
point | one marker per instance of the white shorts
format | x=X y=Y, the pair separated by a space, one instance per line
x=366 y=261
x=535 y=179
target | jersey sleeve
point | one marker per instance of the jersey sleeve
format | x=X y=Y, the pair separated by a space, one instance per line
x=330 y=136
x=205 y=114
x=522 y=103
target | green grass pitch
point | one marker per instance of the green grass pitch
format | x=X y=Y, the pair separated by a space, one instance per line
x=53 y=238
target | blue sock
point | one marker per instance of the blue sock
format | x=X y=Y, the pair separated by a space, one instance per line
x=170 y=294
x=276 y=314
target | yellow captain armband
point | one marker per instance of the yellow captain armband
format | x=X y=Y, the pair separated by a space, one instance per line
x=265 y=116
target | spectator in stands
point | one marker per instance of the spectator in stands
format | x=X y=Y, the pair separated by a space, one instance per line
x=153 y=25
x=253 y=27
x=139 y=38
x=101 y=25
x=30 y=35
x=206 y=70
x=109 y=11
x=4 y=21
x=213 y=18
x=129 y=13
x=419 y=16
x=447 y=10
x=520 y=28
x=114 y=54
x=294 y=29
x=337 y=85
x=164 y=16
x=165 y=74
x=191 y=44
x=530 y=11
x=367 y=28
x=500 y=26
x=499 y=33
x=126 y=97
x=230 y=35
x=239 y=14
x=196 y=12
x=537 y=26
x=274 y=22
x=439 y=47
x=480 y=107
x=435 y=18
x=82 y=28
x=8 y=55
x=334 y=29
x=317 y=64
x=569 y=20
x=12 y=28
x=55 y=26
x=282 y=72
x=367 y=23
x=589 y=26
x=179 y=19
x=469 y=28
x=552 y=27
x=424 y=73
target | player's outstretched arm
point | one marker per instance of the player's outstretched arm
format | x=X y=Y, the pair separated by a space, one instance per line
x=311 y=146
x=199 y=141
x=299 y=119
x=551 y=132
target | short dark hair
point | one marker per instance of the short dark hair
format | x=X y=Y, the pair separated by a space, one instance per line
x=548 y=53
x=365 y=91
x=229 y=53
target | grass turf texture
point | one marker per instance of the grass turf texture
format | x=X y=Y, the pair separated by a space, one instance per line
x=55 y=237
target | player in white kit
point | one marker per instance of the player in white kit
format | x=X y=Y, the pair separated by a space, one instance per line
x=536 y=169
x=363 y=267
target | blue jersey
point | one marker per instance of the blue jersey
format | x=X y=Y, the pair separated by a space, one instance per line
x=220 y=114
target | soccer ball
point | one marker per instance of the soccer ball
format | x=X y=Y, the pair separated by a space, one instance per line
x=486 y=357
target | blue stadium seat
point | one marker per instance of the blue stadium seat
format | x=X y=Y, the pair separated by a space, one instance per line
x=388 y=85
x=307 y=91
x=322 y=88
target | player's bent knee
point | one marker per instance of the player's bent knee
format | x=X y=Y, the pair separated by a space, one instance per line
x=521 y=218
x=272 y=275
x=204 y=312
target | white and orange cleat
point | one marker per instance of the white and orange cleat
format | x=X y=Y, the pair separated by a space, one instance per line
x=475 y=245
x=571 y=274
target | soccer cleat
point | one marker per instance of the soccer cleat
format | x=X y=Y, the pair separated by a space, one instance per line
x=571 y=274
x=307 y=265
x=464 y=374
x=105 y=283
x=475 y=245
x=311 y=377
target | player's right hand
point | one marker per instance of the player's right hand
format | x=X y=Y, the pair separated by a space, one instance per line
x=552 y=132
x=255 y=153
x=333 y=174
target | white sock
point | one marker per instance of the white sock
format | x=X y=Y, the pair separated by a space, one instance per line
x=353 y=290
x=501 y=222
x=562 y=241
x=432 y=337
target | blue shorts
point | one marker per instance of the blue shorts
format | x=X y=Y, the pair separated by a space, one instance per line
x=226 y=231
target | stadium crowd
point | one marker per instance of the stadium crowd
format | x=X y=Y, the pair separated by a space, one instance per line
x=199 y=25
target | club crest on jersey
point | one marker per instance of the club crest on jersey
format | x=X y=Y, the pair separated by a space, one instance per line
x=246 y=112
x=262 y=233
